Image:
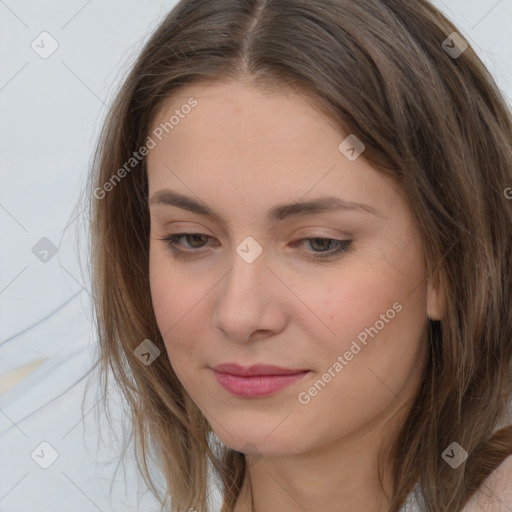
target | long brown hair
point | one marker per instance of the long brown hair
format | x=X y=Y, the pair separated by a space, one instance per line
x=434 y=121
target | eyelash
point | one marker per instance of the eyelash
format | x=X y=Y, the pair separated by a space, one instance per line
x=344 y=246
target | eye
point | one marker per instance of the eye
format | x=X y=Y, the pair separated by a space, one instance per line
x=341 y=247
x=197 y=242
x=180 y=253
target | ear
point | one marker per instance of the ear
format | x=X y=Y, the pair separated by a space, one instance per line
x=435 y=302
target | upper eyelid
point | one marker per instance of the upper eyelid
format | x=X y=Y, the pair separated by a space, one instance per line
x=342 y=237
x=164 y=222
x=166 y=227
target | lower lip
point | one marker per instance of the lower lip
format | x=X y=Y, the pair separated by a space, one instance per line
x=256 y=386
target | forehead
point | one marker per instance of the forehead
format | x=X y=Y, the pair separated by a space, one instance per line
x=240 y=142
x=241 y=116
x=230 y=95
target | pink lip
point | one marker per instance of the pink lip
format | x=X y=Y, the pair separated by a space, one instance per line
x=256 y=380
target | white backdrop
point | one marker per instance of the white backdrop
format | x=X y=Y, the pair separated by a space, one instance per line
x=52 y=106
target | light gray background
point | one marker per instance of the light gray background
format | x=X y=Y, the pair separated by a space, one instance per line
x=51 y=113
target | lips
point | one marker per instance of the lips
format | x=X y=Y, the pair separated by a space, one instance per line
x=256 y=369
x=257 y=380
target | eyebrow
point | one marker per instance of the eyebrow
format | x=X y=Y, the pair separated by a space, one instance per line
x=275 y=214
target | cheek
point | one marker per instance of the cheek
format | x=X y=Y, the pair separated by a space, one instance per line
x=382 y=303
x=162 y=286
x=170 y=295
x=179 y=306
x=379 y=321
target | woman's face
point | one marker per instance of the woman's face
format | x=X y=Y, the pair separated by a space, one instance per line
x=250 y=287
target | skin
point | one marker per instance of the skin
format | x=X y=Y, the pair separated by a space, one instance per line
x=242 y=151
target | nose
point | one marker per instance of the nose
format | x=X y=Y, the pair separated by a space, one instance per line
x=247 y=304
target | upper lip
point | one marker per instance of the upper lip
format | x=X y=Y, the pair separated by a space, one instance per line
x=256 y=369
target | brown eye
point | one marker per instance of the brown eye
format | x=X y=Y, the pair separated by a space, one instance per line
x=195 y=242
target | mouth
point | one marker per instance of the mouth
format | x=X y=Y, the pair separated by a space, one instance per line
x=257 y=380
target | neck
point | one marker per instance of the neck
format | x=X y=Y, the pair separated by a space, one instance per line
x=339 y=476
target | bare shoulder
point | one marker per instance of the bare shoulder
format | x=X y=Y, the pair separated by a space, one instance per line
x=495 y=493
